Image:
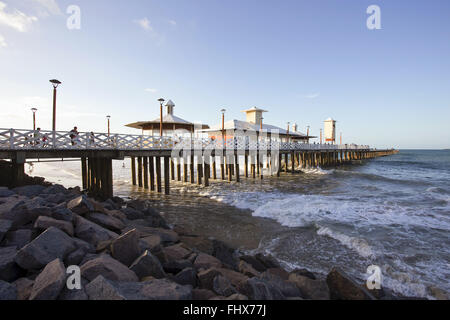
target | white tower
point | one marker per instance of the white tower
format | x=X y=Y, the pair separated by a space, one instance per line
x=254 y=115
x=170 y=106
x=330 y=130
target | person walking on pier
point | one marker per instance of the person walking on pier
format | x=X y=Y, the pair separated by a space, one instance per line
x=73 y=134
x=92 y=139
x=37 y=136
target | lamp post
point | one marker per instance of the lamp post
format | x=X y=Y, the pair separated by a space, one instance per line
x=161 y=100
x=287 y=131
x=307 y=133
x=223 y=123
x=34 y=118
x=55 y=84
x=108 y=117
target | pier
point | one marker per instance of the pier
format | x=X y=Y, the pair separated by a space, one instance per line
x=156 y=161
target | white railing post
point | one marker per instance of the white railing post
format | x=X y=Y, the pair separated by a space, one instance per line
x=54 y=139
x=11 y=138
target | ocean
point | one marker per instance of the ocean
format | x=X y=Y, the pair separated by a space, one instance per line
x=393 y=212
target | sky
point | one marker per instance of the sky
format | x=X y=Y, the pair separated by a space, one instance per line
x=303 y=61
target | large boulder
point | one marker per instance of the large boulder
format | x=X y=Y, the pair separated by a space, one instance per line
x=91 y=232
x=342 y=287
x=202 y=294
x=247 y=269
x=5 y=226
x=103 y=289
x=80 y=205
x=225 y=254
x=236 y=278
x=18 y=238
x=206 y=261
x=176 y=252
x=62 y=213
x=7 y=291
x=310 y=289
x=288 y=289
x=222 y=286
x=267 y=260
x=168 y=237
x=9 y=270
x=49 y=282
x=259 y=289
x=126 y=247
x=108 y=267
x=148 y=265
x=24 y=287
x=154 y=218
x=187 y=276
x=133 y=214
x=206 y=278
x=198 y=243
x=15 y=210
x=51 y=244
x=176 y=266
x=106 y=221
x=43 y=223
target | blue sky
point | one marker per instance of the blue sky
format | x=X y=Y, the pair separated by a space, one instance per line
x=303 y=61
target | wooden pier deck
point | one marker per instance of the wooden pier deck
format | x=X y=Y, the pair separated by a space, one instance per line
x=155 y=161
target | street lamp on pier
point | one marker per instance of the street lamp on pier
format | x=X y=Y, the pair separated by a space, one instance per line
x=108 y=117
x=161 y=100
x=34 y=118
x=223 y=123
x=55 y=84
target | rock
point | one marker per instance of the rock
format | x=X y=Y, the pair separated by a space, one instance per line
x=49 y=282
x=222 y=286
x=81 y=244
x=51 y=244
x=206 y=278
x=268 y=261
x=206 y=261
x=342 y=287
x=237 y=296
x=56 y=198
x=74 y=294
x=158 y=289
x=18 y=238
x=288 y=289
x=55 y=189
x=5 y=226
x=29 y=191
x=137 y=205
x=225 y=254
x=126 y=247
x=133 y=214
x=247 y=269
x=9 y=270
x=176 y=266
x=168 y=237
x=24 y=287
x=255 y=263
x=75 y=258
x=438 y=293
x=91 y=232
x=280 y=272
x=106 y=221
x=147 y=265
x=154 y=218
x=80 y=205
x=187 y=276
x=103 y=289
x=109 y=268
x=5 y=192
x=16 y=211
x=236 y=278
x=176 y=252
x=104 y=246
x=258 y=289
x=305 y=273
x=62 y=213
x=198 y=243
x=202 y=294
x=151 y=243
x=43 y=223
x=7 y=291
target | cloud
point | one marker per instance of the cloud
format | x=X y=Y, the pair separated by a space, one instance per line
x=3 y=43
x=152 y=90
x=144 y=24
x=50 y=6
x=15 y=19
x=172 y=22
x=311 y=95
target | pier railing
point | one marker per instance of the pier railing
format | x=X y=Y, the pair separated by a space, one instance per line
x=22 y=139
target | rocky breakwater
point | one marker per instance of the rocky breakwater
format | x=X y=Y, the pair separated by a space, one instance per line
x=125 y=250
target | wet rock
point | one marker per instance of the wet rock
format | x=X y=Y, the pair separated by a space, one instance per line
x=255 y=263
x=43 y=223
x=55 y=189
x=106 y=221
x=206 y=261
x=49 y=282
x=158 y=289
x=305 y=273
x=18 y=238
x=81 y=244
x=311 y=289
x=151 y=243
x=75 y=258
x=62 y=213
x=287 y=288
x=202 y=294
x=187 y=276
x=133 y=214
x=9 y=270
x=206 y=278
x=16 y=211
x=103 y=289
x=176 y=266
x=258 y=289
x=7 y=291
x=51 y=244
x=222 y=286
x=247 y=269
x=126 y=247
x=109 y=268
x=56 y=198
x=137 y=205
x=267 y=260
x=176 y=252
x=5 y=226
x=91 y=232
x=201 y=244
x=225 y=254
x=147 y=265
x=342 y=287
x=236 y=278
x=24 y=287
x=154 y=218
x=168 y=237
x=80 y=205
x=29 y=191
x=279 y=272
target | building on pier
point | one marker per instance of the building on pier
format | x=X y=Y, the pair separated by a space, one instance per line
x=254 y=124
x=171 y=124
x=330 y=130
